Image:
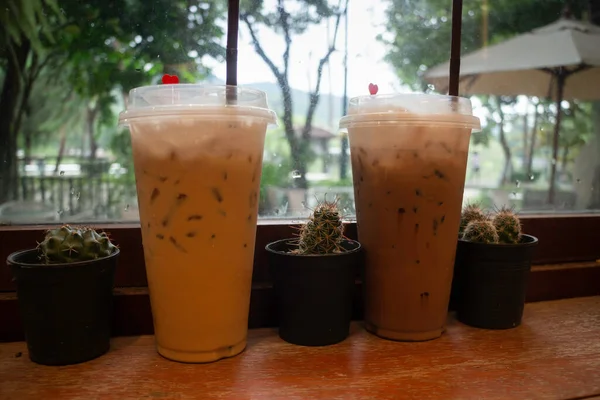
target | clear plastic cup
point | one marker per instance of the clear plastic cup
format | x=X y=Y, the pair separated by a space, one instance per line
x=409 y=157
x=198 y=160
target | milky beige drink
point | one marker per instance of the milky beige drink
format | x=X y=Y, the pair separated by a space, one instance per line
x=197 y=166
x=409 y=155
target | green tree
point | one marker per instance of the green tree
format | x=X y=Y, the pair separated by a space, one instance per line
x=24 y=24
x=419 y=31
x=98 y=46
x=289 y=23
x=50 y=110
x=121 y=44
x=576 y=130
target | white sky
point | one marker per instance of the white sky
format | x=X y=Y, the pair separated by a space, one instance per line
x=366 y=19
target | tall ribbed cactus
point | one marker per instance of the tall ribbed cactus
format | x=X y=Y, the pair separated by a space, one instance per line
x=323 y=232
x=72 y=244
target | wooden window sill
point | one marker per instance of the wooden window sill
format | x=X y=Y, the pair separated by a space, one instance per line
x=555 y=354
x=133 y=316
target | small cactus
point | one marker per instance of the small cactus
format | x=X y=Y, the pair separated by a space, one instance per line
x=480 y=231
x=470 y=213
x=507 y=225
x=323 y=232
x=72 y=244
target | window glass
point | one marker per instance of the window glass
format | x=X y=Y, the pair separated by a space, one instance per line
x=66 y=67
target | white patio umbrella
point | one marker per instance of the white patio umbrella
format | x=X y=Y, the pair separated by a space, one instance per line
x=560 y=61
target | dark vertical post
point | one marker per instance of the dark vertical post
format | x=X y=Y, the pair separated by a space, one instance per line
x=344 y=149
x=71 y=191
x=561 y=77
x=61 y=195
x=43 y=187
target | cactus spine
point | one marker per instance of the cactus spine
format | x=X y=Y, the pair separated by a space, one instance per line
x=507 y=225
x=72 y=244
x=323 y=232
x=471 y=213
x=481 y=231
x=477 y=226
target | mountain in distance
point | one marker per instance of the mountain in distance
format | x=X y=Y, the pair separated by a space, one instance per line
x=327 y=114
x=324 y=118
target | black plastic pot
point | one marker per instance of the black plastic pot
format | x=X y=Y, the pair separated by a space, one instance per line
x=491 y=282
x=314 y=292
x=65 y=308
x=454 y=292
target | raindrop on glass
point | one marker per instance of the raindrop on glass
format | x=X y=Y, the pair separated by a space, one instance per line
x=578 y=180
x=518 y=183
x=303 y=204
x=62 y=10
x=62 y=173
x=296 y=174
x=78 y=195
x=126 y=207
x=531 y=177
x=60 y=212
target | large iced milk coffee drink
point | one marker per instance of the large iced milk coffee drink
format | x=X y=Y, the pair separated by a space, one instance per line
x=198 y=167
x=409 y=156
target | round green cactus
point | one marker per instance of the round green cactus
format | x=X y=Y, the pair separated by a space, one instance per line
x=507 y=225
x=72 y=244
x=480 y=231
x=471 y=212
x=323 y=232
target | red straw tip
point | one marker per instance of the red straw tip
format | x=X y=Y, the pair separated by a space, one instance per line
x=373 y=88
x=170 y=79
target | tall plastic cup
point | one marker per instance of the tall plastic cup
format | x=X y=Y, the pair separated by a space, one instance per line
x=409 y=156
x=198 y=160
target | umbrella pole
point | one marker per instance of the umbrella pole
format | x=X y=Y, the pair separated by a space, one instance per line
x=560 y=87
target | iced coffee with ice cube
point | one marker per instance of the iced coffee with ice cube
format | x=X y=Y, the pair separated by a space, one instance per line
x=198 y=163
x=409 y=155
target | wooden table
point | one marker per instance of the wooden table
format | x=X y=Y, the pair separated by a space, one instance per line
x=555 y=354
